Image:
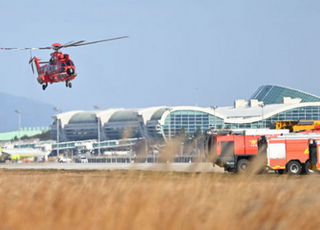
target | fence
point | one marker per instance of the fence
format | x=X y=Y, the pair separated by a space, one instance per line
x=149 y=159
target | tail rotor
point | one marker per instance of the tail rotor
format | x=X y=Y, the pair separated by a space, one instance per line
x=31 y=62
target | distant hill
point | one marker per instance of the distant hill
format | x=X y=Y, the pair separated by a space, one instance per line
x=33 y=113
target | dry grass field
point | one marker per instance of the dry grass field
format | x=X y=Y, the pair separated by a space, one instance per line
x=40 y=199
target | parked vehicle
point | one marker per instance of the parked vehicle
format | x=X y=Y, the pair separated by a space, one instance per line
x=82 y=159
x=64 y=160
x=235 y=149
x=290 y=152
x=298 y=126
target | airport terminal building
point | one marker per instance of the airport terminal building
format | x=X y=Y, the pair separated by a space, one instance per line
x=268 y=104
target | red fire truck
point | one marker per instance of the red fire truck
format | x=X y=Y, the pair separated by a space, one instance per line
x=289 y=152
x=234 y=149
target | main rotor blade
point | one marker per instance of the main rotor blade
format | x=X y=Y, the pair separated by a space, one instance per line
x=67 y=43
x=89 y=43
x=72 y=44
x=39 y=48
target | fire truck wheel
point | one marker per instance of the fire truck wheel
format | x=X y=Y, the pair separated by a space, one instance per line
x=294 y=168
x=306 y=168
x=242 y=165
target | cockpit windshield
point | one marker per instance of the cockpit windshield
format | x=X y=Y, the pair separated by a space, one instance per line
x=69 y=63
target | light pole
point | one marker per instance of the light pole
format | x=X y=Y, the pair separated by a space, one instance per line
x=214 y=109
x=169 y=109
x=98 y=108
x=262 y=105
x=57 y=109
x=19 y=112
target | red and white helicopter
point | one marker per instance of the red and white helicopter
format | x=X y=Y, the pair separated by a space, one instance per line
x=60 y=68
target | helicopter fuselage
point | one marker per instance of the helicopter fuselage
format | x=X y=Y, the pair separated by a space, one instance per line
x=60 y=68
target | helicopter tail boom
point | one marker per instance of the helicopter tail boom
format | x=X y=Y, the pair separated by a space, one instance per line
x=37 y=63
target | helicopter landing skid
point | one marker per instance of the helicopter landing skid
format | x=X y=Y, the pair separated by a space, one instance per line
x=68 y=84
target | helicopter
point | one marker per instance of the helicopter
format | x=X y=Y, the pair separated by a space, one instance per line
x=60 y=68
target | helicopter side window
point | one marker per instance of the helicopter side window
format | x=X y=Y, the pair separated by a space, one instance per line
x=63 y=64
x=68 y=63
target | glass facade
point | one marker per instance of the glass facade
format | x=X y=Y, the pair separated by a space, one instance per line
x=84 y=130
x=105 y=144
x=154 y=129
x=64 y=145
x=124 y=131
x=122 y=125
x=190 y=121
x=113 y=143
x=302 y=113
x=273 y=94
x=81 y=126
x=81 y=132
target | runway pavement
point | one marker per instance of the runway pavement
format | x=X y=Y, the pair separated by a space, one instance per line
x=178 y=167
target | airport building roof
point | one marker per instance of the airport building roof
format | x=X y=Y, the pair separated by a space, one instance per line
x=124 y=115
x=158 y=114
x=274 y=94
x=83 y=117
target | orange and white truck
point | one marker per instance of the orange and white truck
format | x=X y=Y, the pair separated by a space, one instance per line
x=235 y=149
x=289 y=152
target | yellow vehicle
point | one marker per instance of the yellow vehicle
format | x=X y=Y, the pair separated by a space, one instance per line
x=296 y=126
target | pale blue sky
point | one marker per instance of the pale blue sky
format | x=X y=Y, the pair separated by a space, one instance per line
x=180 y=52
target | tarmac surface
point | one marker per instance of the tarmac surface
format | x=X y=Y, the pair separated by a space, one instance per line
x=177 y=167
